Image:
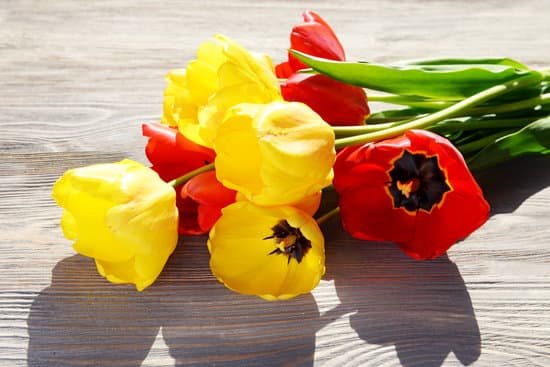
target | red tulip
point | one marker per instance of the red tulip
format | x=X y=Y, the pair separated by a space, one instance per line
x=200 y=202
x=314 y=37
x=172 y=156
x=414 y=190
x=336 y=102
x=171 y=153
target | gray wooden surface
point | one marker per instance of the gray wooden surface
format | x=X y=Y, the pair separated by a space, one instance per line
x=76 y=80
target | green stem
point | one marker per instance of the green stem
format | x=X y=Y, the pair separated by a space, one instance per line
x=483 y=142
x=446 y=113
x=183 y=179
x=328 y=215
x=476 y=124
x=410 y=101
x=361 y=129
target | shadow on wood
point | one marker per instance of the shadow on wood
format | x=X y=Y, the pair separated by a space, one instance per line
x=421 y=307
x=508 y=185
x=80 y=319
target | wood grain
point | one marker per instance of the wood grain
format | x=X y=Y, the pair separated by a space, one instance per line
x=77 y=79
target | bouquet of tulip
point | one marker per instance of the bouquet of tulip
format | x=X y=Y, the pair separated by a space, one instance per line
x=245 y=150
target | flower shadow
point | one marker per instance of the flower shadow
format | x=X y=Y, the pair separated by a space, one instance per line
x=78 y=320
x=205 y=324
x=82 y=320
x=508 y=185
x=422 y=308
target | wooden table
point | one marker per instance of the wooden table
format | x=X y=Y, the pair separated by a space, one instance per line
x=77 y=78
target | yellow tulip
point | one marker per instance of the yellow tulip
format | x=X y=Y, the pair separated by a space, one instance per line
x=223 y=75
x=274 y=154
x=272 y=252
x=122 y=215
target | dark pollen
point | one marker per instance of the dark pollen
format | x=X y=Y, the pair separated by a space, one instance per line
x=417 y=182
x=295 y=244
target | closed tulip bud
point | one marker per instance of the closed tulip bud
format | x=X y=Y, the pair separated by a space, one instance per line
x=122 y=215
x=314 y=37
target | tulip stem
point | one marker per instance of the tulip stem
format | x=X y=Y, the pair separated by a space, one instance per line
x=353 y=130
x=410 y=101
x=183 y=179
x=479 y=123
x=443 y=114
x=322 y=219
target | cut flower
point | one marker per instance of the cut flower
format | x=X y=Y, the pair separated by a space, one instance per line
x=272 y=252
x=122 y=215
x=414 y=190
x=223 y=75
x=336 y=102
x=274 y=154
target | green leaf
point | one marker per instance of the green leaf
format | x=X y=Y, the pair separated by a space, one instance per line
x=532 y=139
x=449 y=82
x=487 y=61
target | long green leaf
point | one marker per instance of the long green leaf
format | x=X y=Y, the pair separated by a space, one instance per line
x=450 y=82
x=532 y=139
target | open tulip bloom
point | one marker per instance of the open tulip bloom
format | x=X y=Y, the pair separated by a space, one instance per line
x=244 y=156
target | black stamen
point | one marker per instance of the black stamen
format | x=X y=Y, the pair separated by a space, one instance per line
x=417 y=182
x=297 y=248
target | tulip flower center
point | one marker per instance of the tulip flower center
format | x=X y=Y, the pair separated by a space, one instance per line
x=417 y=182
x=289 y=241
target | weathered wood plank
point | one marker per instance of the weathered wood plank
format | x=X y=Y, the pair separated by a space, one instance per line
x=77 y=79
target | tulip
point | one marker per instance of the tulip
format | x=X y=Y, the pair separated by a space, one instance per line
x=223 y=75
x=314 y=37
x=122 y=215
x=171 y=153
x=272 y=252
x=202 y=199
x=414 y=190
x=274 y=154
x=336 y=102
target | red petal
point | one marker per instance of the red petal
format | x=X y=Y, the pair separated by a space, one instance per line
x=188 y=212
x=367 y=213
x=283 y=70
x=458 y=215
x=337 y=103
x=207 y=190
x=208 y=216
x=171 y=154
x=206 y=196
